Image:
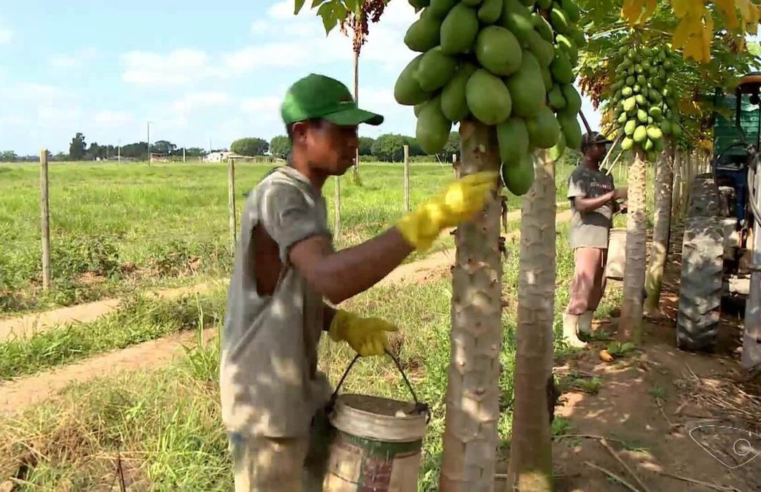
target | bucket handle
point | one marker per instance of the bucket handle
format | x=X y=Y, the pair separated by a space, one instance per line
x=419 y=407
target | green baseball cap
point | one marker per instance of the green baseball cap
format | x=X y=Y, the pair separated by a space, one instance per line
x=318 y=96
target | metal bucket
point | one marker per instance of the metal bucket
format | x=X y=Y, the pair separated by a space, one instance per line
x=377 y=442
x=616 y=254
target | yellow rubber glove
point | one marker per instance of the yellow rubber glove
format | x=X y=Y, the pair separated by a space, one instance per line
x=461 y=201
x=367 y=336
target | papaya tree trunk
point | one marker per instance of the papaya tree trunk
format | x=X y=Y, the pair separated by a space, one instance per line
x=530 y=466
x=472 y=399
x=677 y=192
x=630 y=327
x=661 y=232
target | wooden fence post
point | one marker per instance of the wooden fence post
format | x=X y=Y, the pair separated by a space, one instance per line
x=406 y=178
x=231 y=202
x=45 y=219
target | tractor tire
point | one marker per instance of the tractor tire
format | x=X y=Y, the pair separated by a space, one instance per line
x=702 y=269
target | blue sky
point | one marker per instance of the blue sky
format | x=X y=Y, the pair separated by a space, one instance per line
x=198 y=71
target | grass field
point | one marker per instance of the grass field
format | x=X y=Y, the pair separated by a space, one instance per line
x=117 y=228
x=165 y=424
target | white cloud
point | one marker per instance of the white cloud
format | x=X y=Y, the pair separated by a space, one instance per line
x=41 y=93
x=176 y=68
x=6 y=35
x=75 y=60
x=113 y=118
x=196 y=100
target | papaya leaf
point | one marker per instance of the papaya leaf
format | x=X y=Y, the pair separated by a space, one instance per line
x=297 y=6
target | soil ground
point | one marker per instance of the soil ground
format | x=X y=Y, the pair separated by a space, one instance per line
x=663 y=411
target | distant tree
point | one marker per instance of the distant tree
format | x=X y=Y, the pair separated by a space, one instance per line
x=389 y=147
x=163 y=147
x=250 y=146
x=366 y=146
x=78 y=147
x=280 y=146
x=452 y=147
x=8 y=156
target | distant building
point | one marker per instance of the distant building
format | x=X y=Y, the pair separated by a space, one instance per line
x=221 y=156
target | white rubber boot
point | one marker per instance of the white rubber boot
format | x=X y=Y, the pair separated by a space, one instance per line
x=585 y=323
x=570 y=331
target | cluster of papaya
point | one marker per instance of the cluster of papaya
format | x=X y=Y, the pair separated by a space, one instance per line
x=506 y=63
x=644 y=98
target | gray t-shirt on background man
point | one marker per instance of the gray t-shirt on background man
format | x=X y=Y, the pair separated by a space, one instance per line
x=590 y=229
x=269 y=382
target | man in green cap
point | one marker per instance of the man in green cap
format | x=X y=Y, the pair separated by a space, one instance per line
x=593 y=198
x=273 y=397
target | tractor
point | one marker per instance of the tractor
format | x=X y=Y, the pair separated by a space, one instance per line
x=721 y=248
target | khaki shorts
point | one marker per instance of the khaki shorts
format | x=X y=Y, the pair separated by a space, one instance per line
x=268 y=464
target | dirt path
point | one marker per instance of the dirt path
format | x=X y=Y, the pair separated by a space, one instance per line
x=662 y=411
x=24 y=391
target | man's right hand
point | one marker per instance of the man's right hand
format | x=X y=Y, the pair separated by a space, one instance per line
x=620 y=193
x=460 y=202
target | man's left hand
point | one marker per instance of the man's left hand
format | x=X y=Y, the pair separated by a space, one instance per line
x=367 y=336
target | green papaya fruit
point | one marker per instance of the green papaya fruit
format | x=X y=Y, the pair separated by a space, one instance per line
x=676 y=130
x=556 y=99
x=543 y=128
x=440 y=8
x=642 y=115
x=407 y=90
x=565 y=43
x=570 y=8
x=542 y=27
x=459 y=29
x=626 y=91
x=528 y=3
x=419 y=4
x=572 y=97
x=648 y=145
x=544 y=51
x=527 y=91
x=559 y=19
x=418 y=107
x=471 y=3
x=498 y=50
x=423 y=34
x=561 y=68
x=629 y=128
x=578 y=36
x=654 y=133
x=666 y=127
x=630 y=81
x=622 y=118
x=490 y=11
x=557 y=151
x=433 y=128
x=569 y=124
x=650 y=120
x=453 y=102
x=630 y=103
x=640 y=99
x=640 y=134
x=659 y=145
x=435 y=69
x=627 y=143
x=651 y=156
x=517 y=18
x=488 y=98
x=519 y=178
x=547 y=78
x=513 y=139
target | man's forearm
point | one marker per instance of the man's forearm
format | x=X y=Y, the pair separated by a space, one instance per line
x=589 y=204
x=356 y=269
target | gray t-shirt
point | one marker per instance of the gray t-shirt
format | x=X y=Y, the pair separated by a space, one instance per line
x=590 y=229
x=269 y=382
